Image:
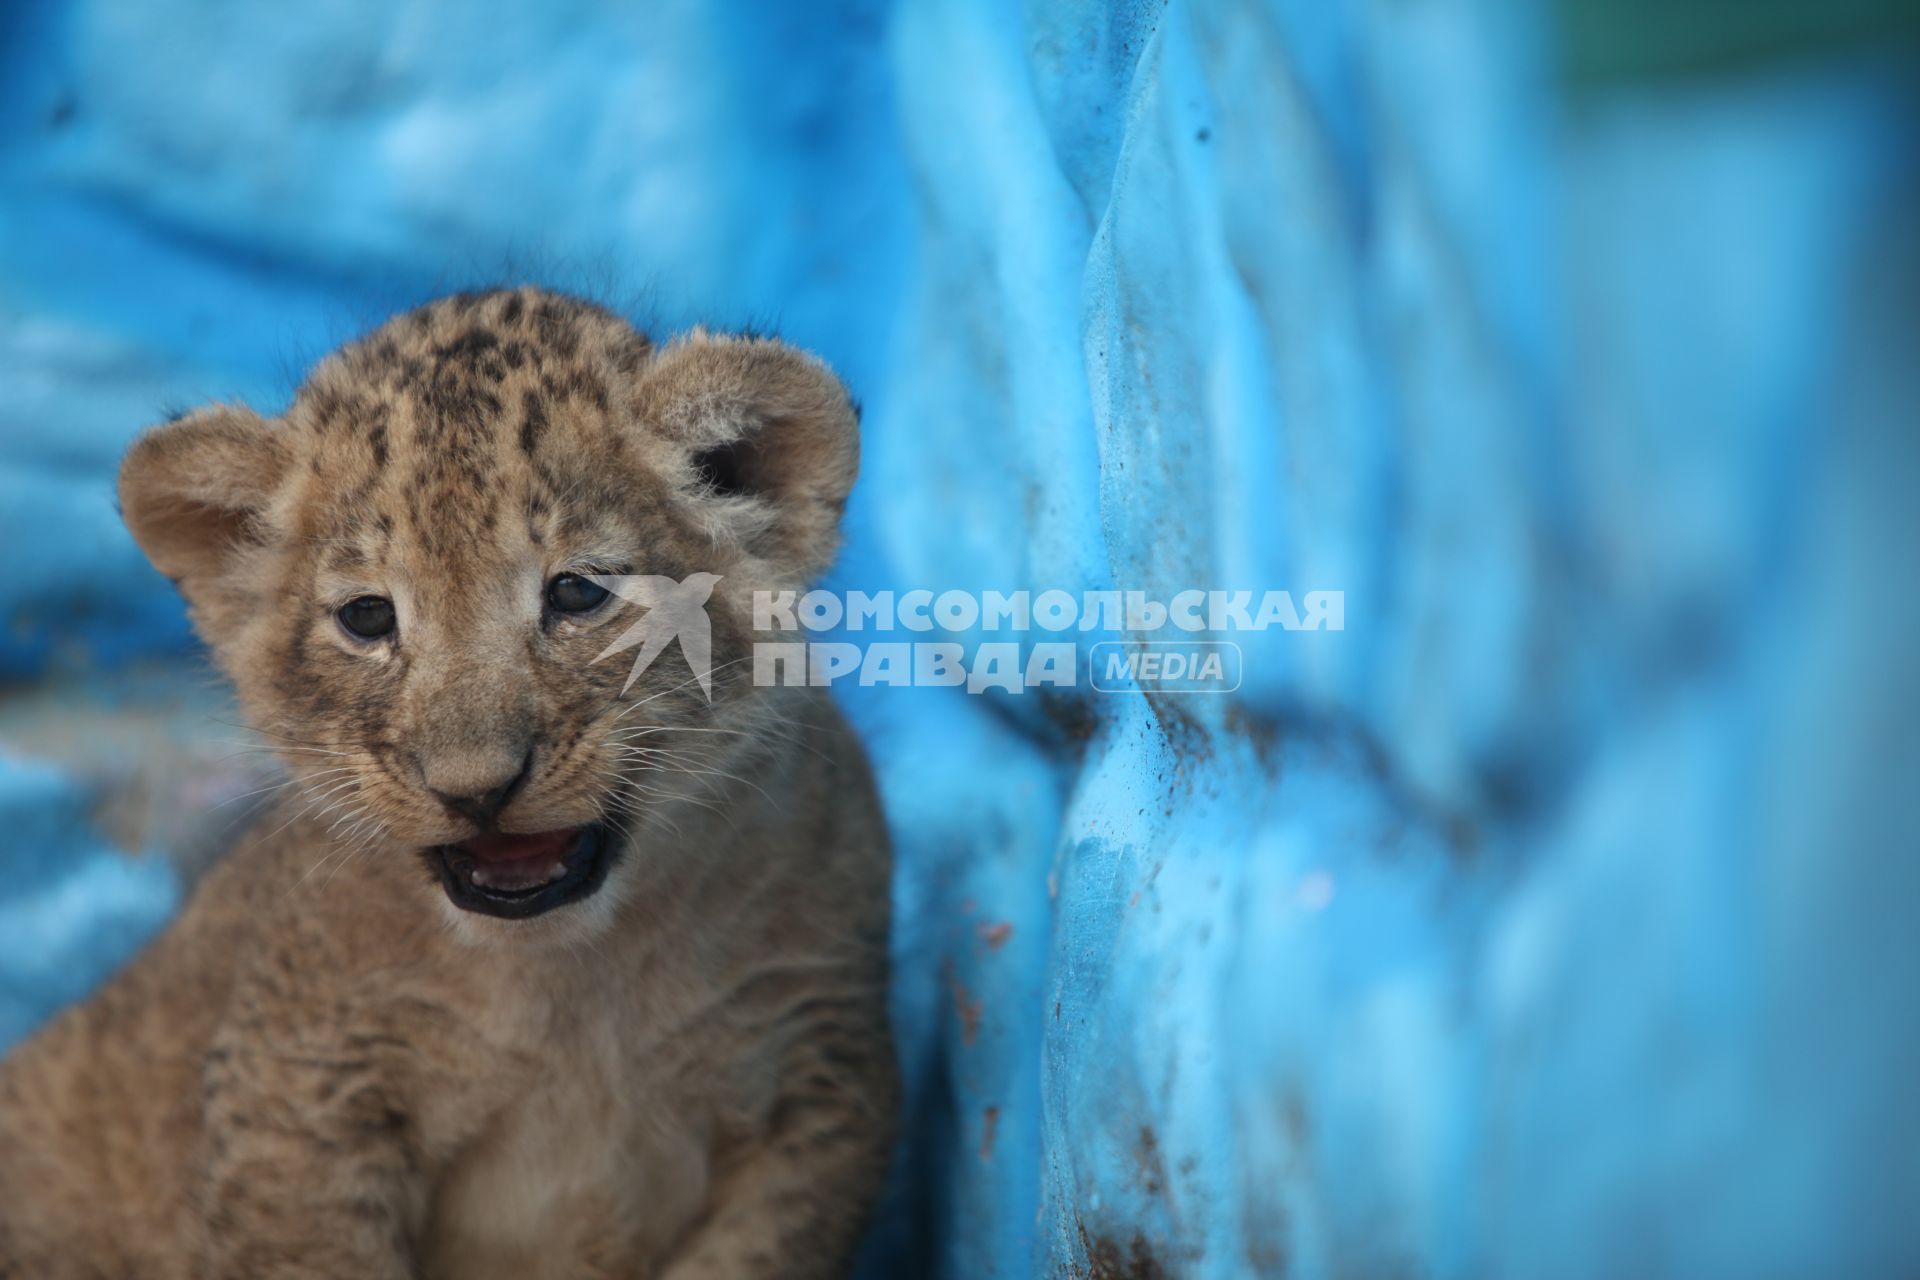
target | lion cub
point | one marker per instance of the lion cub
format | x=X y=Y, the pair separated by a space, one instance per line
x=540 y=971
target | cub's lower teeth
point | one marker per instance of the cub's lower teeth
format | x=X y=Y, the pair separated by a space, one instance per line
x=485 y=877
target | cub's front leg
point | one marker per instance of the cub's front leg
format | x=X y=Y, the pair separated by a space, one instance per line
x=310 y=1168
x=795 y=1207
x=329 y=1108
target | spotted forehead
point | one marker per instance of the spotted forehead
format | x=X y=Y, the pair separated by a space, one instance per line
x=479 y=411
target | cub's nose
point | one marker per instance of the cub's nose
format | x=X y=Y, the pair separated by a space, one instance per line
x=480 y=803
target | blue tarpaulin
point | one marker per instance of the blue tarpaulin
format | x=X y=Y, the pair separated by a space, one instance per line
x=1552 y=918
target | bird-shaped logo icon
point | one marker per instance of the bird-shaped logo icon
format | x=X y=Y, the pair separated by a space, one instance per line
x=672 y=611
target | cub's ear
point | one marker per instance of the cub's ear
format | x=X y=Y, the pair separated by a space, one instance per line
x=193 y=491
x=768 y=443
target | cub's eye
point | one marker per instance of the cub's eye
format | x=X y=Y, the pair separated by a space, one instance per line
x=571 y=593
x=368 y=617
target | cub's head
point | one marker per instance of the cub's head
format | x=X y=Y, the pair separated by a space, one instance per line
x=407 y=578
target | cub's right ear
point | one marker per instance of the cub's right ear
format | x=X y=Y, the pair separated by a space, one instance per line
x=193 y=491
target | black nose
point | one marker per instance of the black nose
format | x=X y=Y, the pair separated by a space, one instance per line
x=482 y=807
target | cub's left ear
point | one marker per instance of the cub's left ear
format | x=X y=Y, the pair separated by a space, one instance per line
x=770 y=441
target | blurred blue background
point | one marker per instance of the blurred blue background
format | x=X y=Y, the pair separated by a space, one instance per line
x=1556 y=918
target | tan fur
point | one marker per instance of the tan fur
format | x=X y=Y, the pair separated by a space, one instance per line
x=324 y=1068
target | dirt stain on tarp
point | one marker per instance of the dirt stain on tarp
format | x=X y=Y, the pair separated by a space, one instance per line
x=1106 y=1260
x=989 y=1122
x=994 y=936
x=1150 y=1170
x=965 y=1007
x=1073 y=719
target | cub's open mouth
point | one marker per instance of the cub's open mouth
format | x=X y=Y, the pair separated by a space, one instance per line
x=517 y=876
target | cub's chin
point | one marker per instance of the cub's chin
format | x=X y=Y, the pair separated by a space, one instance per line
x=518 y=877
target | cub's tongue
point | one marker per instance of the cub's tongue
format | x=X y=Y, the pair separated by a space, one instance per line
x=495 y=849
x=517 y=864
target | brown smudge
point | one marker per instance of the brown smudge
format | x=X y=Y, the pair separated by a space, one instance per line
x=1107 y=1261
x=1150 y=1169
x=965 y=1007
